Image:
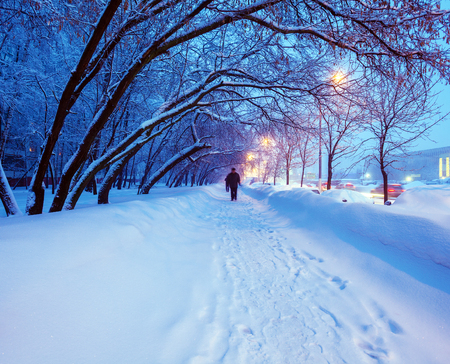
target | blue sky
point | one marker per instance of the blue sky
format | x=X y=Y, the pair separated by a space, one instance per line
x=440 y=133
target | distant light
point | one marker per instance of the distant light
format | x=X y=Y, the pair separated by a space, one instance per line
x=409 y=179
x=338 y=77
x=367 y=175
x=250 y=157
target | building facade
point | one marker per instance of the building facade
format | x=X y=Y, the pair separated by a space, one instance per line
x=425 y=165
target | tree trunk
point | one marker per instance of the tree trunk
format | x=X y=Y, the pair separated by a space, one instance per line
x=103 y=195
x=169 y=179
x=68 y=99
x=179 y=183
x=26 y=173
x=330 y=172
x=166 y=167
x=202 y=175
x=148 y=165
x=131 y=173
x=50 y=167
x=120 y=179
x=176 y=178
x=385 y=184
x=97 y=166
x=74 y=180
x=4 y=136
x=125 y=175
x=46 y=180
x=94 y=186
x=287 y=171
x=303 y=173
x=7 y=196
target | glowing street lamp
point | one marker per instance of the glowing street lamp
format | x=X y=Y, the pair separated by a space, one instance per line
x=338 y=77
x=267 y=142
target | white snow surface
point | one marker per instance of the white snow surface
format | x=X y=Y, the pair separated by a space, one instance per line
x=425 y=200
x=413 y=184
x=186 y=276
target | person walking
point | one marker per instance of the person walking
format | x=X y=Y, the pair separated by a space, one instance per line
x=232 y=182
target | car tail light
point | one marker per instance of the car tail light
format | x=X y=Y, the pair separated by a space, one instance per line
x=391 y=190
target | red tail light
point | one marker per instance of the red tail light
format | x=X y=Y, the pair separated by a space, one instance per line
x=391 y=190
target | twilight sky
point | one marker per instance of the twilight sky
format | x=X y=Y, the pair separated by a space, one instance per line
x=441 y=132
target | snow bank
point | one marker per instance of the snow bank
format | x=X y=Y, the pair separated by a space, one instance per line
x=124 y=283
x=434 y=199
x=422 y=235
x=413 y=184
x=186 y=276
x=346 y=196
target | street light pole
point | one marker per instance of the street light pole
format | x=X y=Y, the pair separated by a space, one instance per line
x=320 y=153
x=337 y=78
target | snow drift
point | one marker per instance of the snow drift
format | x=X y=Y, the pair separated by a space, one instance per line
x=407 y=225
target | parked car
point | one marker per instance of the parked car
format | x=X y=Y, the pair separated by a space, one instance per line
x=346 y=186
x=394 y=190
x=334 y=183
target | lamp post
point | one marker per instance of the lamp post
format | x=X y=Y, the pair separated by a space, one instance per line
x=337 y=78
x=320 y=152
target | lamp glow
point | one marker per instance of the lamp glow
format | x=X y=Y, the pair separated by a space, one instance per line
x=338 y=77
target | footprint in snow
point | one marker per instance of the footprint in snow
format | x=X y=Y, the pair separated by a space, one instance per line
x=331 y=315
x=312 y=257
x=342 y=284
x=395 y=327
x=372 y=351
x=244 y=329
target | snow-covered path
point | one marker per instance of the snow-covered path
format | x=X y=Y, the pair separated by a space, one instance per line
x=187 y=276
x=278 y=313
x=282 y=303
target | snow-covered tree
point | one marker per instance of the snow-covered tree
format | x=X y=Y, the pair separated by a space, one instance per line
x=401 y=111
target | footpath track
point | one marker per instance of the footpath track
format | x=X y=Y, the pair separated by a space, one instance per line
x=283 y=306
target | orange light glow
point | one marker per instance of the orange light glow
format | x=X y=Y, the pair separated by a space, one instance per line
x=338 y=77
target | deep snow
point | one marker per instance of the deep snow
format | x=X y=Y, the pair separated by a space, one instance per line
x=186 y=276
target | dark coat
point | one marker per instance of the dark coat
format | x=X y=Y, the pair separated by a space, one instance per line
x=233 y=180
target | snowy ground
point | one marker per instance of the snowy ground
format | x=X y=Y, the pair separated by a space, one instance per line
x=186 y=276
